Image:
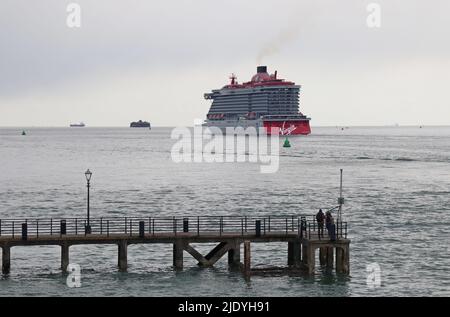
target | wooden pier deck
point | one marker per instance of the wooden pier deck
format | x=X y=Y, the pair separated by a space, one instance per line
x=228 y=232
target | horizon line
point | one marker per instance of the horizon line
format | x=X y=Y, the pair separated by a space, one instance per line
x=163 y=126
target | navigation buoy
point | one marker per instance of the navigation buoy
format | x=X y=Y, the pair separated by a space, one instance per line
x=286 y=143
x=23 y=132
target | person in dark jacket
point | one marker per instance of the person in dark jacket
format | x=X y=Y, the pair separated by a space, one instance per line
x=320 y=218
x=331 y=227
x=332 y=230
x=328 y=220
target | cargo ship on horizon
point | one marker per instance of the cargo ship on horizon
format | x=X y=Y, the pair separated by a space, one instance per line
x=140 y=124
x=77 y=125
x=265 y=101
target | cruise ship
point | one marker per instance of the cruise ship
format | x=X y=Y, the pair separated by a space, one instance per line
x=265 y=101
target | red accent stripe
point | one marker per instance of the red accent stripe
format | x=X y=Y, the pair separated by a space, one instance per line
x=288 y=127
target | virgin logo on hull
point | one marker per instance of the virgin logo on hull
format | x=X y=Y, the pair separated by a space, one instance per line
x=288 y=130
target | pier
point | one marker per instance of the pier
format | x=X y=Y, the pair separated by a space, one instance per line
x=229 y=233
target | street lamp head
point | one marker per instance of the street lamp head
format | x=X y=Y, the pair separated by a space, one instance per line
x=88 y=175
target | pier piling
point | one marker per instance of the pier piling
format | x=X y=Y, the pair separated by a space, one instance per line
x=64 y=257
x=234 y=255
x=330 y=254
x=6 y=259
x=123 y=253
x=311 y=262
x=323 y=256
x=304 y=254
x=342 y=260
x=294 y=253
x=178 y=255
x=247 y=259
x=339 y=260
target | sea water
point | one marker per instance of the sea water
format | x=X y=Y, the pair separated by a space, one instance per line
x=397 y=205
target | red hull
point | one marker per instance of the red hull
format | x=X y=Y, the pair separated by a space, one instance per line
x=288 y=127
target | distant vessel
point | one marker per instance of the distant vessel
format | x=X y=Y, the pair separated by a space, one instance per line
x=77 y=125
x=264 y=102
x=140 y=124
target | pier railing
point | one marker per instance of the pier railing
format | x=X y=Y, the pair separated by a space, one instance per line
x=303 y=226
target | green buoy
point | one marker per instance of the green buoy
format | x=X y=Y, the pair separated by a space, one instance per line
x=286 y=143
x=23 y=132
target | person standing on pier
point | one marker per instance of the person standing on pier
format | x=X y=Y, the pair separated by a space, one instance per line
x=331 y=227
x=328 y=219
x=332 y=232
x=320 y=217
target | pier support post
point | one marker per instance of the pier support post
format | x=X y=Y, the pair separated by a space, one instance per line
x=64 y=257
x=290 y=253
x=346 y=260
x=202 y=261
x=339 y=259
x=247 y=259
x=330 y=254
x=234 y=255
x=178 y=255
x=6 y=259
x=294 y=253
x=309 y=260
x=322 y=256
x=304 y=254
x=123 y=253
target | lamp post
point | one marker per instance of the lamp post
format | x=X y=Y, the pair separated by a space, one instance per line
x=341 y=199
x=88 y=175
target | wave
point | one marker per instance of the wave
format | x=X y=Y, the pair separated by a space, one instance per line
x=433 y=193
x=400 y=159
x=405 y=159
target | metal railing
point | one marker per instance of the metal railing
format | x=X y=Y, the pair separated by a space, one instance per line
x=303 y=226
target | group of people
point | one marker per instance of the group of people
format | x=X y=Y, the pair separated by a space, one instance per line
x=326 y=220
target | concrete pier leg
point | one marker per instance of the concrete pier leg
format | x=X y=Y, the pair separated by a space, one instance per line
x=123 y=254
x=297 y=254
x=290 y=253
x=339 y=259
x=330 y=254
x=64 y=257
x=346 y=260
x=304 y=254
x=247 y=258
x=6 y=260
x=308 y=257
x=294 y=253
x=311 y=260
x=234 y=256
x=322 y=256
x=178 y=255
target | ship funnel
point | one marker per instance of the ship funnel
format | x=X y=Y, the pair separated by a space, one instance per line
x=261 y=69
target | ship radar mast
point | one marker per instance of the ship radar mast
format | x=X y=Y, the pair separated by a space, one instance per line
x=233 y=79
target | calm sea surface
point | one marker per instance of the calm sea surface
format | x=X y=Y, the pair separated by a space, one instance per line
x=396 y=185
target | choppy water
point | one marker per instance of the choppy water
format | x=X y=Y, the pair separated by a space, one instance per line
x=396 y=185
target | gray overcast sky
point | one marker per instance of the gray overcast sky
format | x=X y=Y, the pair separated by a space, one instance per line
x=153 y=60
